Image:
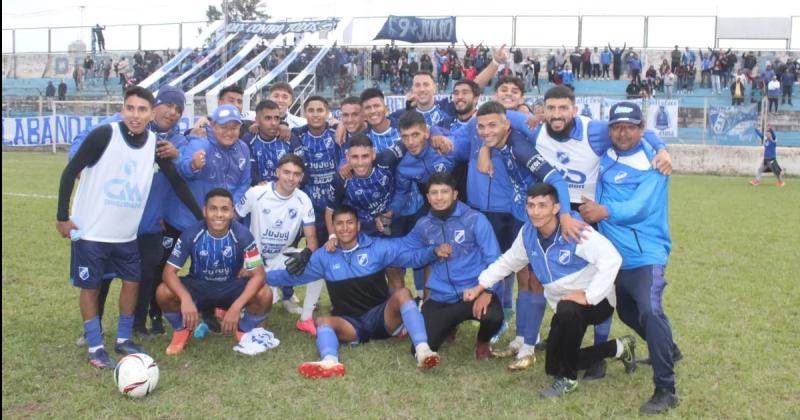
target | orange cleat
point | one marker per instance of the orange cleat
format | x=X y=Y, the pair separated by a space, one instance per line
x=321 y=369
x=179 y=341
x=754 y=182
x=307 y=326
x=780 y=183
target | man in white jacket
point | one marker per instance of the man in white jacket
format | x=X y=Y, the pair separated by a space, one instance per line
x=578 y=280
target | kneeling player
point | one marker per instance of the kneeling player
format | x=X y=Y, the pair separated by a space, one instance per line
x=221 y=250
x=578 y=280
x=362 y=307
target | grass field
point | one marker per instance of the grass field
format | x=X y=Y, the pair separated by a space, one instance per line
x=733 y=302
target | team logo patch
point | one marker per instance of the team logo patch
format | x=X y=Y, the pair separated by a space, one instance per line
x=362 y=259
x=439 y=167
x=359 y=192
x=218 y=155
x=83 y=273
x=227 y=252
x=242 y=161
x=167 y=242
x=384 y=180
x=376 y=195
x=620 y=176
x=292 y=213
x=318 y=155
x=280 y=154
x=203 y=253
x=562 y=157
x=278 y=223
x=564 y=256
x=328 y=142
x=265 y=211
x=458 y=236
x=336 y=266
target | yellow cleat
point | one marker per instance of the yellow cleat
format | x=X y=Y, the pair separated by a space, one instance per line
x=507 y=352
x=523 y=363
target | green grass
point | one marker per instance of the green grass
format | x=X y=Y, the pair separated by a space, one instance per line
x=732 y=301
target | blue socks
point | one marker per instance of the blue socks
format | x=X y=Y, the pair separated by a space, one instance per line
x=93 y=332
x=250 y=321
x=508 y=292
x=287 y=292
x=175 y=319
x=537 y=315
x=419 y=280
x=124 y=327
x=601 y=331
x=524 y=317
x=414 y=323
x=327 y=343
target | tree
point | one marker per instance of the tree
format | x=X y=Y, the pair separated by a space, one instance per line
x=238 y=10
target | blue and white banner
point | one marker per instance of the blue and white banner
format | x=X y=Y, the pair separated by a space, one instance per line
x=413 y=29
x=662 y=117
x=589 y=106
x=733 y=125
x=608 y=103
x=270 y=30
x=58 y=129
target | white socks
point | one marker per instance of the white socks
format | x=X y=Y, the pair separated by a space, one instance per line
x=330 y=359
x=313 y=291
x=620 y=348
x=525 y=351
x=422 y=348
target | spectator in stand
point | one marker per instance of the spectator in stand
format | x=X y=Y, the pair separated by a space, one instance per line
x=687 y=57
x=705 y=70
x=50 y=90
x=757 y=93
x=767 y=74
x=633 y=91
x=596 y=60
x=567 y=77
x=77 y=76
x=635 y=66
x=680 y=75
x=470 y=72
x=787 y=80
x=106 y=68
x=737 y=91
x=773 y=92
x=716 y=76
x=605 y=60
x=626 y=60
x=551 y=66
x=669 y=82
x=617 y=54
x=651 y=76
x=586 y=64
x=749 y=62
x=62 y=91
x=98 y=34
x=676 y=59
x=691 y=72
x=575 y=61
x=88 y=68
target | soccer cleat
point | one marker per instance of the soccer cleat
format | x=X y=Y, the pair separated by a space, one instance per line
x=503 y=329
x=628 y=353
x=213 y=324
x=292 y=307
x=321 y=369
x=595 y=371
x=541 y=345
x=142 y=332
x=509 y=351
x=127 y=347
x=523 y=363
x=307 y=326
x=661 y=401
x=101 y=359
x=201 y=330
x=427 y=359
x=179 y=341
x=780 y=184
x=754 y=182
x=482 y=350
x=560 y=386
x=157 y=326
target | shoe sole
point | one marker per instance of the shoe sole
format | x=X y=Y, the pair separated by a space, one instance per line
x=100 y=365
x=309 y=332
x=429 y=362
x=315 y=371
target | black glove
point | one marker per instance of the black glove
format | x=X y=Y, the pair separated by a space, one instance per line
x=297 y=261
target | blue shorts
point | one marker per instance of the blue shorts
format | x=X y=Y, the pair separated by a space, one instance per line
x=91 y=261
x=505 y=226
x=207 y=294
x=370 y=324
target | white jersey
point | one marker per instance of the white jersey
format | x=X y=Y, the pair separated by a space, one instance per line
x=112 y=193
x=574 y=158
x=275 y=221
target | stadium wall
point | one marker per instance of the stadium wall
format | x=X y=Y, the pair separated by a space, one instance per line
x=729 y=160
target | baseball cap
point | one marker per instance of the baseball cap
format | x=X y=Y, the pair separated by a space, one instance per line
x=171 y=95
x=226 y=113
x=627 y=112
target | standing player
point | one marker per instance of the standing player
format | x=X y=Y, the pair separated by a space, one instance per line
x=770 y=162
x=266 y=149
x=220 y=249
x=278 y=210
x=115 y=163
x=282 y=94
x=632 y=213
x=578 y=281
x=363 y=309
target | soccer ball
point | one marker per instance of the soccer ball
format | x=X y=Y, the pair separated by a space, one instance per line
x=136 y=375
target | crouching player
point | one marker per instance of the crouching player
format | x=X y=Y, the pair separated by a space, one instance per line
x=362 y=307
x=578 y=280
x=226 y=272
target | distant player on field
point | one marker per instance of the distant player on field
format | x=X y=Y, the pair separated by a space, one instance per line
x=770 y=162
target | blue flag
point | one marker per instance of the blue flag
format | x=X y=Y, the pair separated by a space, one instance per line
x=415 y=30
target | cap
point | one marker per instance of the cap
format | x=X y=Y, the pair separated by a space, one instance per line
x=627 y=112
x=171 y=95
x=226 y=113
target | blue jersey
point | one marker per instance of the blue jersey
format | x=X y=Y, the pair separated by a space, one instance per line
x=474 y=247
x=383 y=140
x=355 y=277
x=636 y=196
x=215 y=260
x=769 y=144
x=265 y=154
x=322 y=156
x=370 y=195
x=441 y=114
x=412 y=174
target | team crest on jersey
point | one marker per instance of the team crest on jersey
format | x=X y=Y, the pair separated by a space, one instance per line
x=318 y=155
x=227 y=252
x=258 y=153
x=242 y=161
x=167 y=242
x=83 y=273
x=384 y=180
x=203 y=253
x=562 y=157
x=265 y=211
x=376 y=195
x=459 y=236
x=292 y=213
x=328 y=142
x=439 y=167
x=362 y=259
x=359 y=192
x=620 y=176
x=270 y=164
x=280 y=154
x=217 y=155
x=564 y=256
x=336 y=266
x=278 y=223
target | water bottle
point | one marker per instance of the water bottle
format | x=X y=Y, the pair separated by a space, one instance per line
x=201 y=330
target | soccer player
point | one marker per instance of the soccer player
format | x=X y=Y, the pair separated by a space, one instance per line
x=282 y=94
x=770 y=162
x=363 y=309
x=229 y=95
x=631 y=210
x=578 y=279
x=266 y=149
x=278 y=211
x=220 y=249
x=510 y=92
x=353 y=121
x=472 y=247
x=115 y=163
